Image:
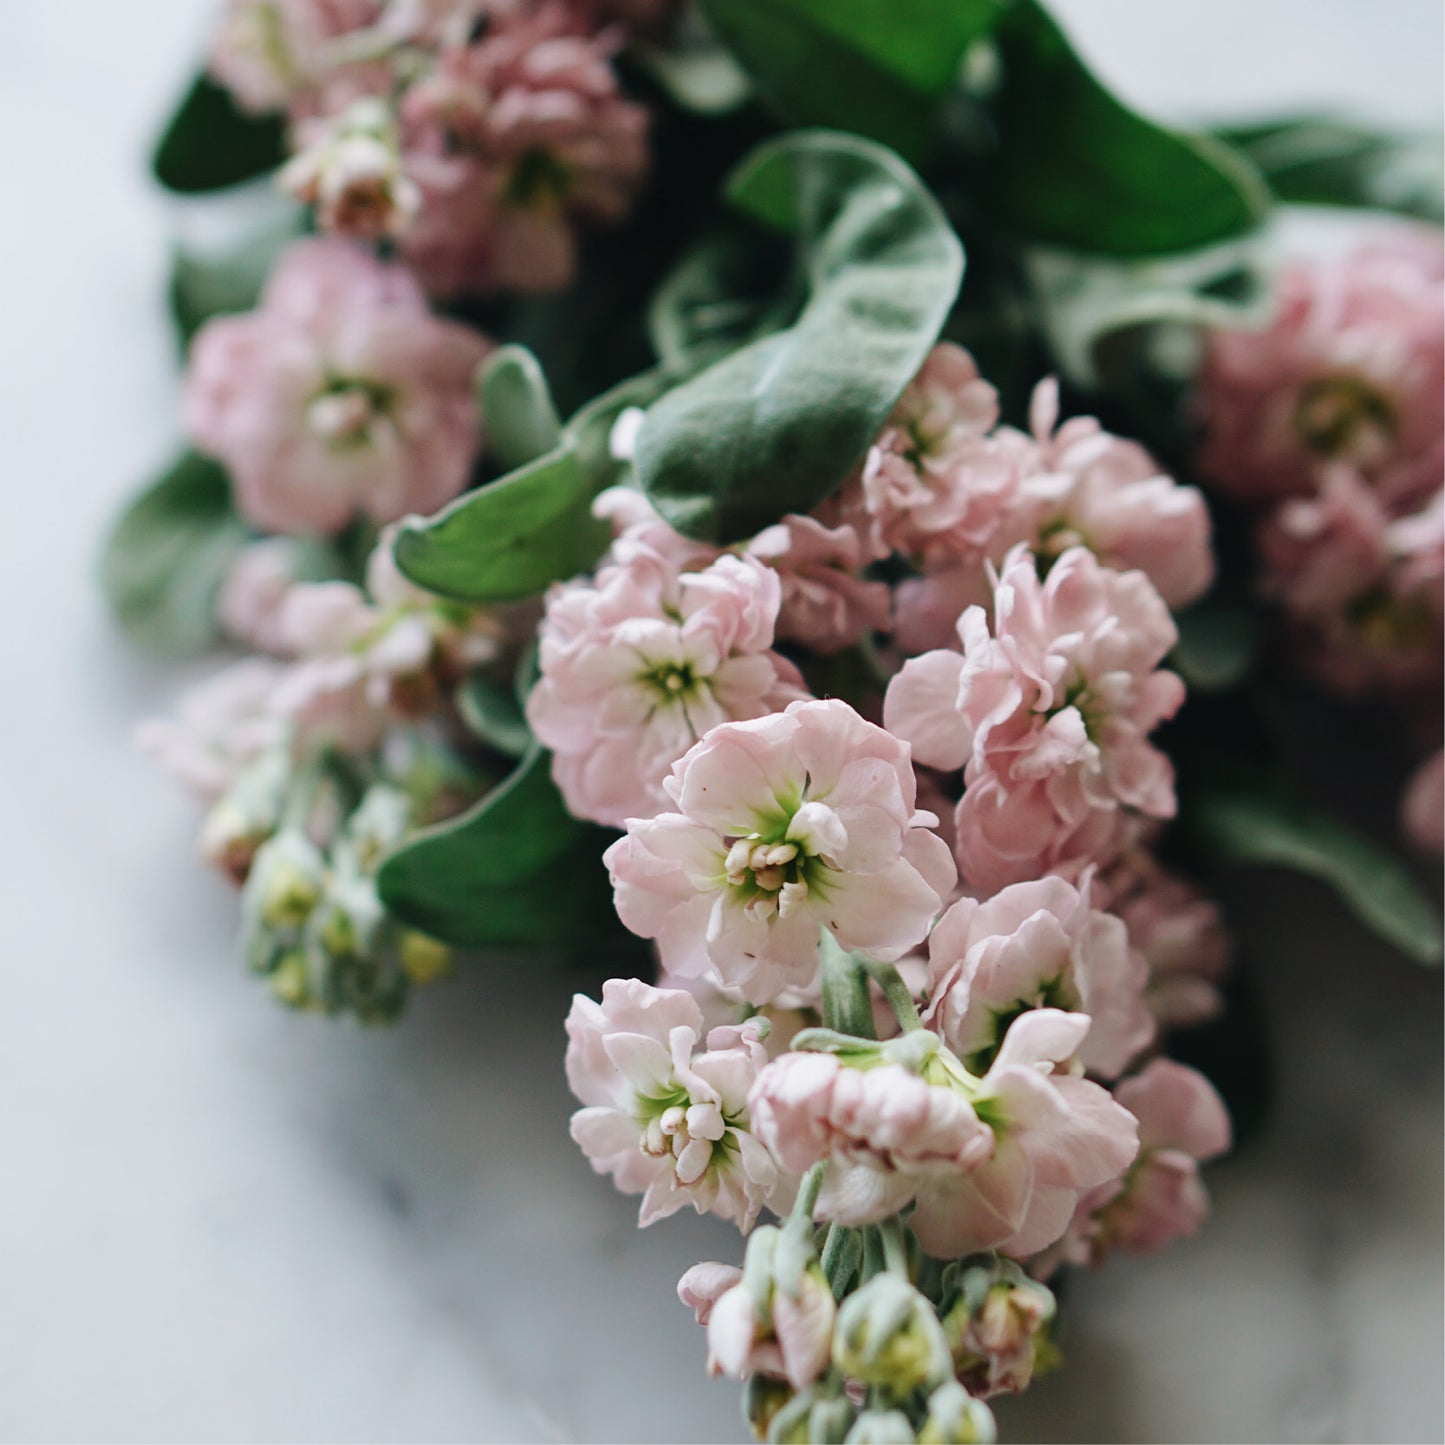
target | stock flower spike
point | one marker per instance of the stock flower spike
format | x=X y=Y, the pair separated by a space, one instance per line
x=861 y=660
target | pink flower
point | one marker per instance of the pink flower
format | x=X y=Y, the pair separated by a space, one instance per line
x=1423 y=807
x=1049 y=714
x=1362 y=589
x=909 y=1125
x=1351 y=370
x=826 y=604
x=266 y=50
x=1182 y=1121
x=1036 y=944
x=513 y=140
x=350 y=170
x=1179 y=932
x=340 y=396
x=253 y=590
x=784 y=1329
x=223 y=725
x=664 y=1119
x=1096 y=490
x=640 y=663
x=368 y=659
x=931 y=481
x=784 y=825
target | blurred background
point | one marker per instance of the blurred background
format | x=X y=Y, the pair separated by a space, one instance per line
x=223 y=1221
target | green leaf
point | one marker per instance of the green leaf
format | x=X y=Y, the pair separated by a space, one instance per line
x=874 y=67
x=517 y=407
x=167 y=554
x=209 y=142
x=1327 y=161
x=777 y=426
x=513 y=537
x=1076 y=167
x=1269 y=828
x=509 y=539
x=493 y=711
x=499 y=873
x=207 y=283
x=1083 y=300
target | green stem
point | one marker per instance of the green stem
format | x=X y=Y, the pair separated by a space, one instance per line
x=808 y=1192
x=896 y=992
x=895 y=1251
x=847 y=1006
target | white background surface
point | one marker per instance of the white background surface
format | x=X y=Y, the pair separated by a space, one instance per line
x=219 y=1221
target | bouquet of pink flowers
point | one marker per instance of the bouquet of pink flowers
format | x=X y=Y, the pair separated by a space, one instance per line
x=875 y=716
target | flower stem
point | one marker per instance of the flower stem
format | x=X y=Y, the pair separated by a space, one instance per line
x=895 y=1250
x=846 y=1005
x=896 y=992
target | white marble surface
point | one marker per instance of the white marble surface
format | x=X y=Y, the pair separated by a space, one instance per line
x=218 y=1221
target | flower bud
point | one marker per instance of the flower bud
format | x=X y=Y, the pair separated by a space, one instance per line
x=288 y=978
x=881 y=1427
x=286 y=882
x=352 y=174
x=888 y=1335
x=998 y=1328
x=956 y=1418
x=246 y=815
x=763 y=1398
x=817 y=1416
x=424 y=959
x=776 y=1320
x=381 y=820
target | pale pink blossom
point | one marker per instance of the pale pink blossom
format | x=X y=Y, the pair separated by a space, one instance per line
x=930 y=472
x=1182 y=1122
x=1093 y=489
x=910 y=1127
x=640 y=663
x=1031 y=945
x=780 y=1331
x=665 y=1107
x=367 y=659
x=1049 y=714
x=251 y=595
x=350 y=170
x=340 y=396
x=221 y=727
x=1364 y=590
x=513 y=140
x=1351 y=370
x=784 y=825
x=827 y=604
x=996 y=1327
x=1423 y=806
x=265 y=51
x=1178 y=930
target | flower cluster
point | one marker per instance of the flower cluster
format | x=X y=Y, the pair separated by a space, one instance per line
x=1329 y=428
x=475 y=134
x=929 y=1044
x=320 y=756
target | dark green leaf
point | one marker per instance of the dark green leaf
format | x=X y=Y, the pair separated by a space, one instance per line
x=1076 y=167
x=166 y=556
x=517 y=407
x=211 y=283
x=498 y=874
x=874 y=67
x=210 y=143
x=1326 y=161
x=493 y=711
x=1269 y=828
x=776 y=426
